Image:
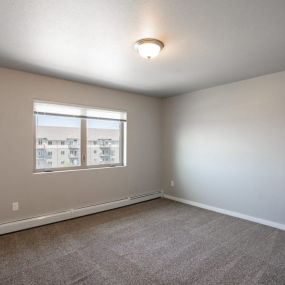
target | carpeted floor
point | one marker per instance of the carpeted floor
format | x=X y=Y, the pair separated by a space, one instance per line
x=156 y=242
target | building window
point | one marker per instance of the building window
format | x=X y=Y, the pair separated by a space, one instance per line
x=79 y=130
x=73 y=152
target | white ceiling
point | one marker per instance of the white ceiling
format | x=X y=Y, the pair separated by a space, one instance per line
x=207 y=42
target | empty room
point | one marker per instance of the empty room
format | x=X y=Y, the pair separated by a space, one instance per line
x=142 y=142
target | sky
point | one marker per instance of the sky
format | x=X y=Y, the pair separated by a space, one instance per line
x=56 y=121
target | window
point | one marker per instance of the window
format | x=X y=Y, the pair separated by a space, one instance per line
x=55 y=129
x=105 y=133
x=78 y=137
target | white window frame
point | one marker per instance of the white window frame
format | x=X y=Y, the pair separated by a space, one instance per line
x=83 y=141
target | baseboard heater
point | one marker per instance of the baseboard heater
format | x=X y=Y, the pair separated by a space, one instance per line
x=146 y=195
x=74 y=213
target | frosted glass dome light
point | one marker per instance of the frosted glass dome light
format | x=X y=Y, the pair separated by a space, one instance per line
x=148 y=48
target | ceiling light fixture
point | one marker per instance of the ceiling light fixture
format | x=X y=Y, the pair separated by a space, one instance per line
x=148 y=48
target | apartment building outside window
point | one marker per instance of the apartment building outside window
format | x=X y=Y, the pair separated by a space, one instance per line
x=71 y=137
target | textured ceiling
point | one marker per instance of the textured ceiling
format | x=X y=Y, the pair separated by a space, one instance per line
x=207 y=42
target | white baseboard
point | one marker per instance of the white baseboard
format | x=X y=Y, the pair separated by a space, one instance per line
x=74 y=213
x=227 y=212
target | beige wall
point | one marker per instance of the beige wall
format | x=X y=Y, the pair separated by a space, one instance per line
x=225 y=147
x=51 y=192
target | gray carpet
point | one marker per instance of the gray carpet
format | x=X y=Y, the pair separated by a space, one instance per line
x=156 y=242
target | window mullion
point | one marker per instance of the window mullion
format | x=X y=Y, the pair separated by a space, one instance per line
x=83 y=143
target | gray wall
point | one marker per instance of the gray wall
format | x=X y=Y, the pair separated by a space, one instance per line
x=51 y=192
x=225 y=146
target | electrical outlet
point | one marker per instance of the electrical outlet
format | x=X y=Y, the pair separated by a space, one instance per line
x=172 y=183
x=15 y=206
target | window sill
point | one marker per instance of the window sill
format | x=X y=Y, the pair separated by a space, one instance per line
x=77 y=169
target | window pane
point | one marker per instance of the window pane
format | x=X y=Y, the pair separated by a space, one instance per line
x=103 y=142
x=57 y=141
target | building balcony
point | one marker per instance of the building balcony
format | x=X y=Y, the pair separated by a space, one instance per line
x=73 y=156
x=73 y=146
x=106 y=156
